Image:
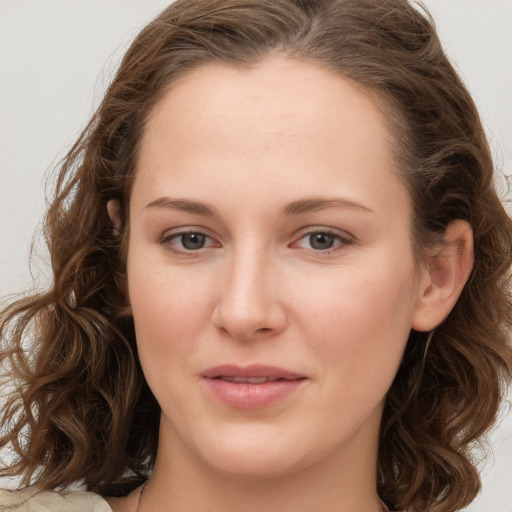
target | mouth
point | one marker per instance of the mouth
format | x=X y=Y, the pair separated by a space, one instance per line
x=255 y=372
x=248 y=380
x=251 y=387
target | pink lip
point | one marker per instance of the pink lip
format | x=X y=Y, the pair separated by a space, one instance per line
x=245 y=395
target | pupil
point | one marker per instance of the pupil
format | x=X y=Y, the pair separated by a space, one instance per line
x=193 y=241
x=321 y=241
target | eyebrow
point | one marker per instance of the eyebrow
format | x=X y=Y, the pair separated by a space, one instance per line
x=184 y=205
x=298 y=207
x=315 y=204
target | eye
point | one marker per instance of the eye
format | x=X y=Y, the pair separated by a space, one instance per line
x=323 y=241
x=188 y=241
x=192 y=241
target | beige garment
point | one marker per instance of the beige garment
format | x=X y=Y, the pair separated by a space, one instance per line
x=32 y=500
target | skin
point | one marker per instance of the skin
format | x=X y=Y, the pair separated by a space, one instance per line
x=249 y=143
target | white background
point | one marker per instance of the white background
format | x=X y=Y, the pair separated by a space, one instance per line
x=56 y=57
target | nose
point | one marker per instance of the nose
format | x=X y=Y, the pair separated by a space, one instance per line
x=249 y=304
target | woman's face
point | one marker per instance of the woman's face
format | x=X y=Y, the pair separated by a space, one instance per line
x=270 y=269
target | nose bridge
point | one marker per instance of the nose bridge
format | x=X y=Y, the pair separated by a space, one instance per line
x=248 y=302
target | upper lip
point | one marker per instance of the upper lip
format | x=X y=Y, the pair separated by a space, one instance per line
x=253 y=370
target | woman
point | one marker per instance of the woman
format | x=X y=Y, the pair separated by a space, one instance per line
x=280 y=274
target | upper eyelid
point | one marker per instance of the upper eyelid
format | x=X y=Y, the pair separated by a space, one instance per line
x=182 y=230
x=341 y=233
x=304 y=230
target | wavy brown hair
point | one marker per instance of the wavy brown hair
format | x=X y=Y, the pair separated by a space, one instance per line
x=78 y=407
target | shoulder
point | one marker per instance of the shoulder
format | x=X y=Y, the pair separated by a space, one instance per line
x=31 y=499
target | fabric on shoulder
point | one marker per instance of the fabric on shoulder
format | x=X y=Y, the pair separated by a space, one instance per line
x=31 y=499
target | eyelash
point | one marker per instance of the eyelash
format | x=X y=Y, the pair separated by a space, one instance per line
x=339 y=241
x=167 y=241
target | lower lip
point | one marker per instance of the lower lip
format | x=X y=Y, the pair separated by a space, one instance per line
x=252 y=396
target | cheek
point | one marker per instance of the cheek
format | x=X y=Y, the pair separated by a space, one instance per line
x=168 y=310
x=360 y=320
x=368 y=300
x=169 y=319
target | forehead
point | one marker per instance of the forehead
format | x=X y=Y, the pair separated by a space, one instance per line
x=279 y=122
x=281 y=95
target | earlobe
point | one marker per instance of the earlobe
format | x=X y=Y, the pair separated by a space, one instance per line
x=113 y=207
x=444 y=276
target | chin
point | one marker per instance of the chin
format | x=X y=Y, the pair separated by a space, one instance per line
x=256 y=455
x=248 y=452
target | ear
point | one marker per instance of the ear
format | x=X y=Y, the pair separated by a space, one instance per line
x=113 y=207
x=444 y=276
